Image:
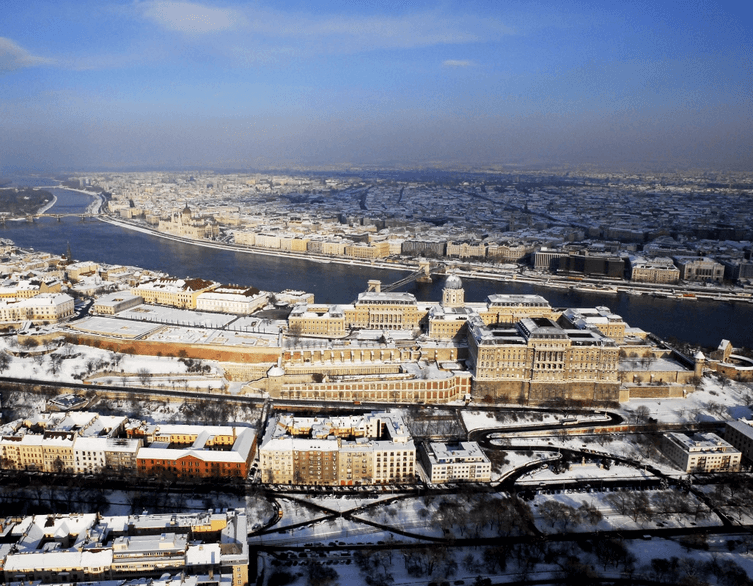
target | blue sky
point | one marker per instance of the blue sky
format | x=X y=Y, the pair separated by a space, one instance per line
x=92 y=84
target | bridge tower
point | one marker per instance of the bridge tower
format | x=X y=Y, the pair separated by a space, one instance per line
x=425 y=266
x=374 y=285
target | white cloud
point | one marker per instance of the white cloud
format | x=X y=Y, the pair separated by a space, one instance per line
x=14 y=57
x=189 y=17
x=458 y=63
x=332 y=33
x=353 y=33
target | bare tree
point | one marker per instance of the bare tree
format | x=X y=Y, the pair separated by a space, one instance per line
x=4 y=360
x=589 y=513
x=144 y=376
x=642 y=414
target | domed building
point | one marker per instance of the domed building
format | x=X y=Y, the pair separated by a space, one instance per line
x=184 y=224
x=453 y=294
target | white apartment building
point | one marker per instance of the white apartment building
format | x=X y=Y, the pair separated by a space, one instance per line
x=113 y=303
x=344 y=451
x=50 y=307
x=236 y=300
x=693 y=268
x=461 y=462
x=93 y=455
x=740 y=434
x=702 y=452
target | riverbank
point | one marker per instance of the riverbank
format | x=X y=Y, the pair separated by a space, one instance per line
x=680 y=292
x=699 y=322
x=46 y=207
x=305 y=256
x=685 y=292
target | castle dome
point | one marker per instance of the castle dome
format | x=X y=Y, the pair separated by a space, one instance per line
x=453 y=282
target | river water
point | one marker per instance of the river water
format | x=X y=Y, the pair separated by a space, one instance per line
x=699 y=322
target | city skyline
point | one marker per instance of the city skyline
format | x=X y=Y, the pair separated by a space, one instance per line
x=176 y=84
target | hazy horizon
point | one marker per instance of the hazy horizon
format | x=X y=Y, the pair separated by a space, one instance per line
x=157 y=83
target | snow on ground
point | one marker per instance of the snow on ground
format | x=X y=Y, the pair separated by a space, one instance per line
x=738 y=510
x=343 y=503
x=614 y=445
x=713 y=401
x=649 y=549
x=171 y=315
x=457 y=563
x=516 y=459
x=466 y=563
x=323 y=531
x=524 y=417
x=73 y=363
x=589 y=471
x=186 y=382
x=412 y=515
x=613 y=520
x=295 y=512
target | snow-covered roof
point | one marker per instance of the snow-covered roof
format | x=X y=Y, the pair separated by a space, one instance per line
x=237 y=454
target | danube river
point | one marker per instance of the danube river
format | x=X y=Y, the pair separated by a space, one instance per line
x=698 y=322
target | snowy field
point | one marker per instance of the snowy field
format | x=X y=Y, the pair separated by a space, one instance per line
x=74 y=363
x=579 y=472
x=671 y=561
x=624 y=514
x=713 y=401
x=526 y=417
x=636 y=447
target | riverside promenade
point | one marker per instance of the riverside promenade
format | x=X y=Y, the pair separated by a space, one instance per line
x=469 y=270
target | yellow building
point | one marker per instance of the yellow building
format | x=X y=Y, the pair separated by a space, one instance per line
x=244 y=237
x=294 y=243
x=333 y=247
x=466 y=249
x=543 y=361
x=232 y=299
x=317 y=321
x=657 y=270
x=343 y=451
x=184 y=224
x=44 y=307
x=368 y=251
x=28 y=288
x=385 y=311
x=508 y=252
x=448 y=320
x=174 y=292
x=57 y=450
x=509 y=309
x=78 y=270
x=267 y=240
x=207 y=547
x=598 y=318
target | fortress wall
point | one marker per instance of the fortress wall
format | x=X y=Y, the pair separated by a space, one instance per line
x=197 y=351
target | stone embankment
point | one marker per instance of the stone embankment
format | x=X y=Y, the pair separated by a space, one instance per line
x=684 y=292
